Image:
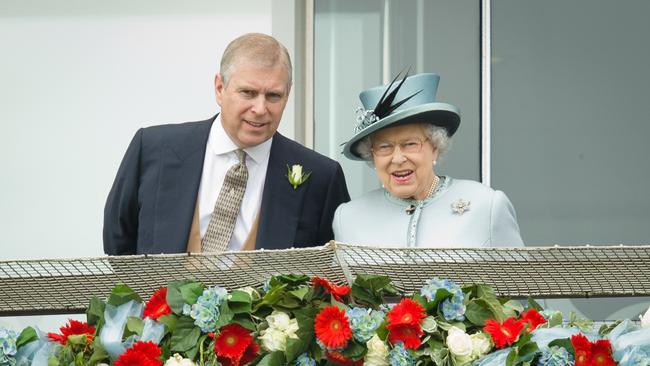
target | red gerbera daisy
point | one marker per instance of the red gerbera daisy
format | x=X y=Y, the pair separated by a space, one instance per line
x=332 y=327
x=140 y=354
x=157 y=305
x=408 y=312
x=505 y=333
x=533 y=318
x=249 y=355
x=339 y=359
x=582 y=348
x=409 y=334
x=337 y=291
x=74 y=327
x=231 y=342
x=601 y=353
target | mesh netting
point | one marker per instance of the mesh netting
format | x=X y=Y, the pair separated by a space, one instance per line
x=65 y=286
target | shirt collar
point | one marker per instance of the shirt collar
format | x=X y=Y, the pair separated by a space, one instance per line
x=220 y=143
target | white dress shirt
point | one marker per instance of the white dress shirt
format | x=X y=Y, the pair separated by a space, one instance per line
x=219 y=157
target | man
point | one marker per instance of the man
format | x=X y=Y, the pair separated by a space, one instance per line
x=175 y=180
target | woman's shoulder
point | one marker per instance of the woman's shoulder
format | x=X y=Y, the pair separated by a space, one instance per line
x=467 y=185
x=368 y=198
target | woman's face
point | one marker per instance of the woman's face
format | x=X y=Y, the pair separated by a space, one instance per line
x=403 y=157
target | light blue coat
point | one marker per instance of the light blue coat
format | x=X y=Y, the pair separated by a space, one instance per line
x=382 y=220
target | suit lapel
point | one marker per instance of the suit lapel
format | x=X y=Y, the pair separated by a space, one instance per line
x=180 y=177
x=281 y=204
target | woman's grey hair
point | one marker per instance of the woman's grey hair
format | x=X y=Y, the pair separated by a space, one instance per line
x=257 y=47
x=436 y=134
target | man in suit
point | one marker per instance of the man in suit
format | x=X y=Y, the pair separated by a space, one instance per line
x=163 y=198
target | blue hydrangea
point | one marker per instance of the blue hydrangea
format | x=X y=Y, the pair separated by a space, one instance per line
x=364 y=323
x=555 y=356
x=206 y=310
x=8 y=347
x=305 y=360
x=400 y=356
x=266 y=286
x=452 y=308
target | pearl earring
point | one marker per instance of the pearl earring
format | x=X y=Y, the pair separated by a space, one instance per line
x=435 y=162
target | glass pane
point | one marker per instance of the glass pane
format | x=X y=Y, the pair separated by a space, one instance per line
x=570 y=125
x=440 y=37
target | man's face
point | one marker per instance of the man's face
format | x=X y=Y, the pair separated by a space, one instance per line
x=252 y=102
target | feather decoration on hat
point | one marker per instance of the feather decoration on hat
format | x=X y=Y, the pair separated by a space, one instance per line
x=385 y=105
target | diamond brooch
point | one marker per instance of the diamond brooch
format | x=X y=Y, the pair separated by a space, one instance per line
x=460 y=206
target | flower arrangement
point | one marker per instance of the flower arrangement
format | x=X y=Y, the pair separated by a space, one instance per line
x=302 y=321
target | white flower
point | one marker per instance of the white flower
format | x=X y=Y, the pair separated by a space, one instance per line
x=377 y=352
x=460 y=345
x=178 y=360
x=480 y=344
x=281 y=327
x=645 y=319
x=296 y=172
x=296 y=176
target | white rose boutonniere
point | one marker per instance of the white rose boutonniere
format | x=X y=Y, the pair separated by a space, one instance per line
x=296 y=176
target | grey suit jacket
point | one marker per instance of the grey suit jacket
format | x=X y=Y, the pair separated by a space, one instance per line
x=379 y=219
x=151 y=204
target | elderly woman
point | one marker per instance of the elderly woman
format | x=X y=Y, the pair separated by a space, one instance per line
x=403 y=132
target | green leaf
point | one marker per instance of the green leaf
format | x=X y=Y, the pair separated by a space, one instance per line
x=534 y=304
x=191 y=291
x=135 y=325
x=177 y=296
x=371 y=289
x=240 y=302
x=95 y=312
x=26 y=336
x=295 y=347
x=52 y=361
x=512 y=357
x=169 y=321
x=293 y=280
x=273 y=359
x=528 y=351
x=77 y=339
x=354 y=350
x=99 y=354
x=478 y=312
x=512 y=308
x=225 y=315
x=564 y=343
x=244 y=322
x=555 y=319
x=300 y=293
x=186 y=334
x=121 y=294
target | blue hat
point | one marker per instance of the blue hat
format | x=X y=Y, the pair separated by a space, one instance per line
x=411 y=100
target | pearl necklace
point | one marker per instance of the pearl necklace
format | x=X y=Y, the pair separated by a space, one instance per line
x=434 y=184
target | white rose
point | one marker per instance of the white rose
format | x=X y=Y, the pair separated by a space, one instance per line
x=178 y=360
x=645 y=319
x=281 y=327
x=459 y=343
x=273 y=340
x=296 y=172
x=480 y=344
x=377 y=352
x=283 y=322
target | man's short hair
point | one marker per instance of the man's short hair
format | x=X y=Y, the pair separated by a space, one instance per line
x=255 y=47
